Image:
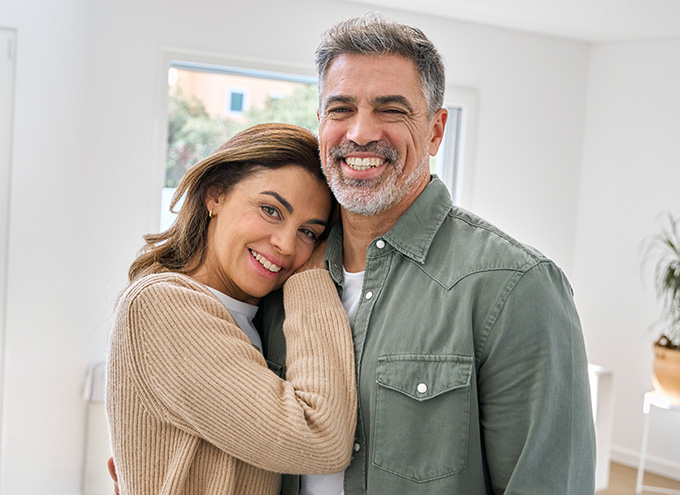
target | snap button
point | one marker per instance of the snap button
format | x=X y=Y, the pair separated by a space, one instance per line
x=422 y=388
x=380 y=244
x=369 y=295
x=357 y=447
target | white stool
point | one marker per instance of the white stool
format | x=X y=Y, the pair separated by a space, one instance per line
x=662 y=402
x=602 y=395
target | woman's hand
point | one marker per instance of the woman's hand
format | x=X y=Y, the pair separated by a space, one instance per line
x=112 y=473
x=316 y=260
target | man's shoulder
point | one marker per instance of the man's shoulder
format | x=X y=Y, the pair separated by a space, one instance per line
x=466 y=244
x=481 y=231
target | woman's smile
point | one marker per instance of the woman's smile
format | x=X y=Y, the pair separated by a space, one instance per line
x=272 y=267
x=262 y=231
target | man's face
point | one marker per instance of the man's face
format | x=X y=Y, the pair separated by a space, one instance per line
x=375 y=133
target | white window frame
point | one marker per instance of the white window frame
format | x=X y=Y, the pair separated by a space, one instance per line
x=459 y=177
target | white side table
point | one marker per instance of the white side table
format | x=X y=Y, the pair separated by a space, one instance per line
x=662 y=402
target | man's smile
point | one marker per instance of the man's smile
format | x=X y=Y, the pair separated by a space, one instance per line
x=362 y=164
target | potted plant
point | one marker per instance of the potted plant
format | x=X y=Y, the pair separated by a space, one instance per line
x=665 y=248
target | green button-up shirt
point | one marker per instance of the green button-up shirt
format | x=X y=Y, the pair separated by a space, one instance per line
x=471 y=367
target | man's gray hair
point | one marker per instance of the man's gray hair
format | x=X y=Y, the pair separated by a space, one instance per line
x=372 y=34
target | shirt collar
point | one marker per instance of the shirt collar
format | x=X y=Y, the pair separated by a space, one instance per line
x=413 y=233
x=333 y=254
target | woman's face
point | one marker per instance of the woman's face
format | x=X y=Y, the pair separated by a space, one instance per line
x=262 y=231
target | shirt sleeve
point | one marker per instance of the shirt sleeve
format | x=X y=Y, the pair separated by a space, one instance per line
x=535 y=406
x=196 y=370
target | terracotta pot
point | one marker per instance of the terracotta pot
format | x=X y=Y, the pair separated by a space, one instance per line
x=667 y=371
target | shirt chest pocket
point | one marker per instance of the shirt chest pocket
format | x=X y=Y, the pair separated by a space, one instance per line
x=422 y=415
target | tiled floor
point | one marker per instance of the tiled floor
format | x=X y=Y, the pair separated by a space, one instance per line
x=622 y=481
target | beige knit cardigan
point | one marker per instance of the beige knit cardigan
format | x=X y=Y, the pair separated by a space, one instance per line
x=193 y=408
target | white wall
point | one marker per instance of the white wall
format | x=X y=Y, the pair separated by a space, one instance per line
x=54 y=283
x=532 y=93
x=630 y=173
x=87 y=177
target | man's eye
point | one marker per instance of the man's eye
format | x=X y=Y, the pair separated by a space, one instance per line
x=339 y=110
x=394 y=111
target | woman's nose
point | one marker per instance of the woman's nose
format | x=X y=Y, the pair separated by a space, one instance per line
x=284 y=240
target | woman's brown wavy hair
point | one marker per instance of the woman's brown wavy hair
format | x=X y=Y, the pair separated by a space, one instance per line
x=181 y=248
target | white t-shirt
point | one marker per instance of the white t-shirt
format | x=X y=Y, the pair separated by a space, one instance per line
x=332 y=484
x=352 y=293
x=243 y=314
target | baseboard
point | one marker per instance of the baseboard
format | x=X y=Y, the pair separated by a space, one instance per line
x=655 y=465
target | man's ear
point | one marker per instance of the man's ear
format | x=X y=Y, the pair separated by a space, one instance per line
x=437 y=130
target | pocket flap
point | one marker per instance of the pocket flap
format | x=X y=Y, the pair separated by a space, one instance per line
x=424 y=376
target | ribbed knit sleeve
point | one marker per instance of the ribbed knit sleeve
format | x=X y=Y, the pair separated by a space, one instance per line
x=193 y=368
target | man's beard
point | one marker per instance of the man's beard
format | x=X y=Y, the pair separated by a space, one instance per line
x=375 y=195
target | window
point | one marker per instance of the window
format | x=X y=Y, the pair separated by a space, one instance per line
x=454 y=163
x=236 y=101
x=447 y=161
x=208 y=103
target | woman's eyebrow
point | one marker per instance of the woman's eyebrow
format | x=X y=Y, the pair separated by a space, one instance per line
x=285 y=203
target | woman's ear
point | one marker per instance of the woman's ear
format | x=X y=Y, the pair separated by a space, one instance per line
x=212 y=198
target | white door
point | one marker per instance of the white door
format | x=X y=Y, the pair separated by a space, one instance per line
x=7 y=63
x=7 y=51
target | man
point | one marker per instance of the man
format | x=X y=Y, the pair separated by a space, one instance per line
x=471 y=367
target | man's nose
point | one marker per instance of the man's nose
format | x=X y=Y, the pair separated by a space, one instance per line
x=364 y=128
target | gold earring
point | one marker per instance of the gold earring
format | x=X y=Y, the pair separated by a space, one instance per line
x=210 y=215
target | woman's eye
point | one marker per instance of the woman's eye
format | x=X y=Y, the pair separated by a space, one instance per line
x=309 y=233
x=270 y=211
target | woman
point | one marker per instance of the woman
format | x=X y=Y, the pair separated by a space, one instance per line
x=192 y=406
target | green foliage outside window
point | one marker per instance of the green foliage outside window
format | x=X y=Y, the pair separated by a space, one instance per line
x=299 y=108
x=193 y=133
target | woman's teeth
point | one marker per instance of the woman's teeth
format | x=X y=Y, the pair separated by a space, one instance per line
x=362 y=164
x=265 y=262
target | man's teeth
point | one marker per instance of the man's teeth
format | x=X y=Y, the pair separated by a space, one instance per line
x=265 y=262
x=363 y=163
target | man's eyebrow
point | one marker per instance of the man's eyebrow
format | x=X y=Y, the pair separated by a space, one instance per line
x=339 y=99
x=285 y=203
x=387 y=99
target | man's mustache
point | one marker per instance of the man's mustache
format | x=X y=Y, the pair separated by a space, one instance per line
x=379 y=148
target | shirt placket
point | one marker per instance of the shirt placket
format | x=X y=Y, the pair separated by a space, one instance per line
x=377 y=266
